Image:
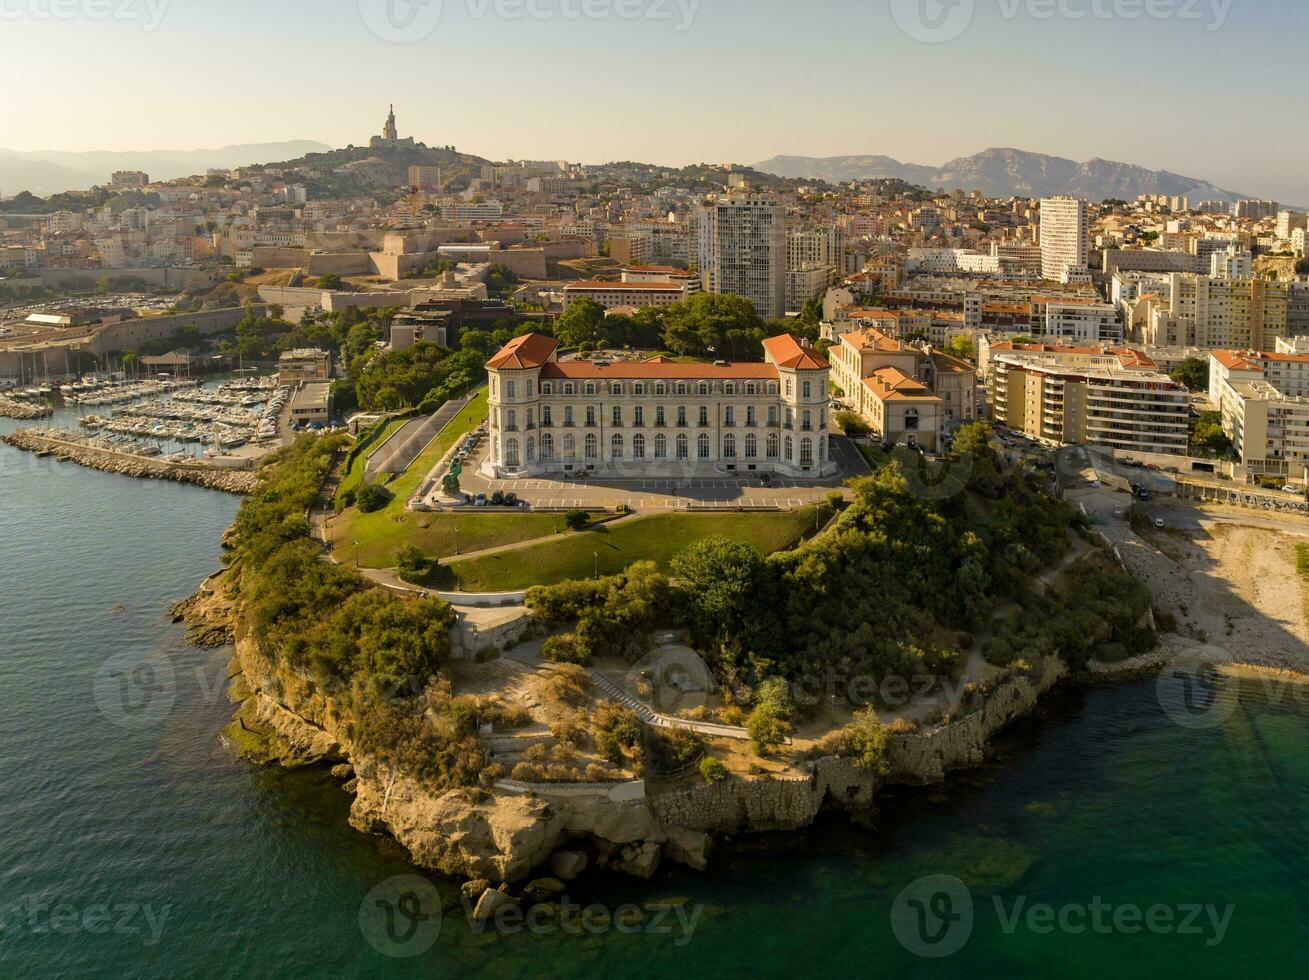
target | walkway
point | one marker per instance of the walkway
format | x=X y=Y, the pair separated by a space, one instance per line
x=408 y=442
x=655 y=720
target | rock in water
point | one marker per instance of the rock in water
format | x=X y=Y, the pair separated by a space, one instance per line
x=567 y=865
x=490 y=903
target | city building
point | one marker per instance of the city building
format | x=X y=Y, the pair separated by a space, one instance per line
x=637 y=417
x=743 y=245
x=306 y=364
x=1065 y=237
x=124 y=180
x=1264 y=400
x=611 y=295
x=1097 y=396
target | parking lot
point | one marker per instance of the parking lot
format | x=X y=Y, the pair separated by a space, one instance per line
x=665 y=492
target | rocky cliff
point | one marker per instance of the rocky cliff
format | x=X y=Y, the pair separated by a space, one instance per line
x=499 y=836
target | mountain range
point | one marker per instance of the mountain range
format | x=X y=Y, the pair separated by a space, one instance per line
x=1004 y=172
x=45 y=172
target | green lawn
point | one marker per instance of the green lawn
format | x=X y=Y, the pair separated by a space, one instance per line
x=354 y=477
x=658 y=538
x=382 y=534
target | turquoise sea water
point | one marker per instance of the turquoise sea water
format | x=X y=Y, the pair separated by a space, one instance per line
x=131 y=844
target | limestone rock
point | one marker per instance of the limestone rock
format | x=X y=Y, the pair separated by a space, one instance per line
x=543 y=889
x=688 y=847
x=567 y=865
x=490 y=903
x=472 y=890
x=642 y=861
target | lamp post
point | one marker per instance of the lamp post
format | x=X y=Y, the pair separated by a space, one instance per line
x=356 y=554
x=597 y=563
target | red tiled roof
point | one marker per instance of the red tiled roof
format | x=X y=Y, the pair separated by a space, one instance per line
x=659 y=371
x=789 y=353
x=531 y=350
x=892 y=384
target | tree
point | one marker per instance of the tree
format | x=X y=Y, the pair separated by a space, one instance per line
x=962 y=348
x=1192 y=374
x=767 y=729
x=720 y=580
x=853 y=425
x=712 y=770
x=720 y=324
x=576 y=519
x=1208 y=437
x=373 y=498
x=580 y=324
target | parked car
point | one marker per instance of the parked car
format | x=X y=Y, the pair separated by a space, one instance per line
x=511 y=500
x=497 y=499
x=1292 y=490
x=480 y=500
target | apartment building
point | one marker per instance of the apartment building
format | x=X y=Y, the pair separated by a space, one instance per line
x=1097 y=396
x=1065 y=237
x=307 y=364
x=1264 y=398
x=908 y=393
x=612 y=295
x=653 y=416
x=124 y=180
x=1084 y=322
x=742 y=243
x=1235 y=313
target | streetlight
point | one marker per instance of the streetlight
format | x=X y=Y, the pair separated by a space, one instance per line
x=356 y=554
x=597 y=564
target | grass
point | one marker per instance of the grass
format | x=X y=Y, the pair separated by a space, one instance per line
x=382 y=534
x=658 y=538
x=354 y=477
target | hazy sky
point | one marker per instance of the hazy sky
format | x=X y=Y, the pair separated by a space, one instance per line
x=1210 y=88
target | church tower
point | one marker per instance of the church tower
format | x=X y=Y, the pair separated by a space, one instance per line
x=389 y=132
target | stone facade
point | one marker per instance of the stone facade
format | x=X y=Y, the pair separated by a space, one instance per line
x=657 y=416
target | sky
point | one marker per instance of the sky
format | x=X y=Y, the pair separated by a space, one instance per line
x=1208 y=88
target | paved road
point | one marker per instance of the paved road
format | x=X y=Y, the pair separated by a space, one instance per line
x=408 y=442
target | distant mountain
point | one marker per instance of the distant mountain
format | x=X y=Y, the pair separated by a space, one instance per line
x=45 y=172
x=1007 y=173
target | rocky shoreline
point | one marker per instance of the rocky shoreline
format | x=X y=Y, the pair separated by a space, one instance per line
x=139 y=467
x=509 y=842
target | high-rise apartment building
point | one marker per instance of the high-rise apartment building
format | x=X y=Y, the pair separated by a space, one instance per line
x=742 y=248
x=1065 y=235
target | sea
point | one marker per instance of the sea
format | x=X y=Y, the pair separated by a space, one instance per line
x=1110 y=834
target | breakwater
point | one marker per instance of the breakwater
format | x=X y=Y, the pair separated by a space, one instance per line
x=197 y=473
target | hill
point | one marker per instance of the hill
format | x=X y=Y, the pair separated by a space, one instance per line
x=1007 y=173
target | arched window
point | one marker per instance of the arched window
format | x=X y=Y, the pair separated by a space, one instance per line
x=729 y=446
x=729 y=389
x=702 y=446
x=806 y=452
x=592 y=447
x=638 y=446
x=772 y=414
x=704 y=416
x=661 y=446
x=659 y=415
x=569 y=389
x=616 y=388
x=590 y=387
x=749 y=388
x=751 y=447
x=681 y=388
x=682 y=446
x=681 y=415
x=590 y=416
x=616 y=446
x=570 y=447
x=702 y=388
x=547 y=447
x=547 y=416
x=547 y=388
x=772 y=387
x=531 y=450
x=790 y=449
x=661 y=388
x=638 y=389
x=772 y=445
x=511 y=454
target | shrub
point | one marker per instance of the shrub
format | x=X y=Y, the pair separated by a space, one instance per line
x=413 y=566
x=373 y=498
x=568 y=685
x=853 y=425
x=711 y=770
x=565 y=649
x=576 y=519
x=767 y=729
